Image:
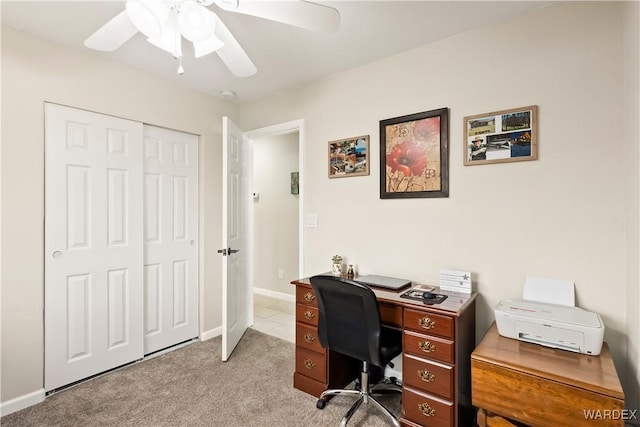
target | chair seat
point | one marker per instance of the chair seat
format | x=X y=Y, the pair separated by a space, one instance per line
x=390 y=344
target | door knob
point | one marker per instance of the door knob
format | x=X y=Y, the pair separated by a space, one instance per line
x=56 y=254
x=192 y=242
x=227 y=251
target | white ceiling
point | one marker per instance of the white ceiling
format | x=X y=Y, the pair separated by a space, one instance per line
x=285 y=56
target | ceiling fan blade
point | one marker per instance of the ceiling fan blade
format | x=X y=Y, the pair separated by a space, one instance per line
x=299 y=13
x=113 y=34
x=232 y=54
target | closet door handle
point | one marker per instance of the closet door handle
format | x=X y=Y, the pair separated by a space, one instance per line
x=56 y=254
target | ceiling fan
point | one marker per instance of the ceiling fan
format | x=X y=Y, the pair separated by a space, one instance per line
x=166 y=22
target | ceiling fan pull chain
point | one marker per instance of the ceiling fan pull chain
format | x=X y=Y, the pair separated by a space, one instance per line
x=177 y=48
x=180 y=69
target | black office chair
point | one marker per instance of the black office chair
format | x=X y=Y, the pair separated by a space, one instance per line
x=349 y=323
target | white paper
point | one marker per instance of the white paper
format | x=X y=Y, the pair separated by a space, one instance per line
x=456 y=281
x=553 y=291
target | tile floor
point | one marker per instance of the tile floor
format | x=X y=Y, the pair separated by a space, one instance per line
x=274 y=317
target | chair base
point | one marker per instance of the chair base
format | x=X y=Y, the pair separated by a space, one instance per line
x=365 y=394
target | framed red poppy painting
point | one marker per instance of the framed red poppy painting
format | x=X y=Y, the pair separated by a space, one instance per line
x=414 y=155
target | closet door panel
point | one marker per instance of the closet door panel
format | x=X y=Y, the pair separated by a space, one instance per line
x=93 y=244
x=171 y=236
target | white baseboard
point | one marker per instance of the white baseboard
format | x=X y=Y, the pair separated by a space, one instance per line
x=274 y=294
x=21 y=402
x=211 y=333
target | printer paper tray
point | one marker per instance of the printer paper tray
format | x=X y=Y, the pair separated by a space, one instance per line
x=555 y=337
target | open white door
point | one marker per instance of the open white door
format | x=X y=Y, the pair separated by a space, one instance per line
x=237 y=264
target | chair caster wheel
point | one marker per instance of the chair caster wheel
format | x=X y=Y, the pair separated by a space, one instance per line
x=320 y=404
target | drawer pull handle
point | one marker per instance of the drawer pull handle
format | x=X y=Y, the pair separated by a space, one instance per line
x=426 y=346
x=427 y=323
x=426 y=410
x=309 y=296
x=309 y=364
x=426 y=376
x=308 y=337
x=308 y=315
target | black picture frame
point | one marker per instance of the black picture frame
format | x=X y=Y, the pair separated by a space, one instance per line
x=414 y=155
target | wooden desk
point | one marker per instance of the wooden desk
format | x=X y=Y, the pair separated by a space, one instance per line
x=515 y=383
x=437 y=344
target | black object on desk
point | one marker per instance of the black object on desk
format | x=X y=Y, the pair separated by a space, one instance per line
x=426 y=297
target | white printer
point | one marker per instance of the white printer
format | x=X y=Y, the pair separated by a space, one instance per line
x=562 y=326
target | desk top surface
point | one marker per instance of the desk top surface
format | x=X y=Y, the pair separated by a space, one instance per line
x=595 y=373
x=455 y=303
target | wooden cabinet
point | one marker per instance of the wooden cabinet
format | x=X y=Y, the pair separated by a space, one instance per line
x=436 y=368
x=317 y=368
x=516 y=383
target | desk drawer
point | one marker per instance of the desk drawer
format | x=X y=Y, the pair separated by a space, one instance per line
x=306 y=296
x=425 y=346
x=307 y=337
x=424 y=410
x=430 y=323
x=427 y=376
x=311 y=364
x=307 y=314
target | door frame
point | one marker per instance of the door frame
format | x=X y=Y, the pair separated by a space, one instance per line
x=283 y=129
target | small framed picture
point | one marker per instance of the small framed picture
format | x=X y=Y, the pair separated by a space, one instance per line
x=295 y=182
x=501 y=136
x=349 y=157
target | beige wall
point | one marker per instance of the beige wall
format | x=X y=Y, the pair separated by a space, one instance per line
x=275 y=213
x=631 y=12
x=567 y=215
x=35 y=71
x=562 y=216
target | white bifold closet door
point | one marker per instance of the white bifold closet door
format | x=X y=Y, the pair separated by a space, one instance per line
x=93 y=244
x=121 y=227
x=170 y=238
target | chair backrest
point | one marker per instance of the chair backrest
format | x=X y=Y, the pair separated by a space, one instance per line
x=349 y=317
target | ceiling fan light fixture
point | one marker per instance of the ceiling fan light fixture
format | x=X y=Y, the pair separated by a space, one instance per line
x=195 y=22
x=170 y=39
x=148 y=16
x=207 y=46
x=227 y=4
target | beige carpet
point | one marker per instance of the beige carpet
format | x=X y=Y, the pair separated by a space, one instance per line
x=193 y=387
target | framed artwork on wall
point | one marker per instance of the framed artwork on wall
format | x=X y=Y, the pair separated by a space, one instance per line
x=414 y=155
x=295 y=182
x=501 y=136
x=349 y=157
